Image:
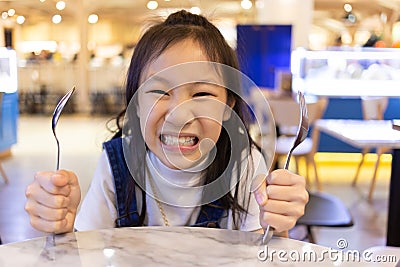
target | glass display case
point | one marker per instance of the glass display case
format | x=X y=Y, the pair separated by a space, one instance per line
x=8 y=70
x=8 y=98
x=351 y=72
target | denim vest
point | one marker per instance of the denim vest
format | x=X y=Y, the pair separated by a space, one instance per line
x=209 y=216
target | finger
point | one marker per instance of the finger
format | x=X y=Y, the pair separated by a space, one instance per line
x=70 y=177
x=259 y=189
x=47 y=226
x=296 y=193
x=283 y=208
x=35 y=192
x=54 y=183
x=52 y=201
x=46 y=213
x=284 y=177
x=278 y=221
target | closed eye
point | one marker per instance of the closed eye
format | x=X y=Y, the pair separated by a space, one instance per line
x=200 y=94
x=160 y=92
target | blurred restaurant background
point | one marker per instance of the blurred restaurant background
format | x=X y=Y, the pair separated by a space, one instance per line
x=49 y=46
x=88 y=43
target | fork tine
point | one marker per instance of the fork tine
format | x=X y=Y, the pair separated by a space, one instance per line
x=303 y=127
x=303 y=106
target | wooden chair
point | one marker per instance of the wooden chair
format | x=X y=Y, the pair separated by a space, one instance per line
x=373 y=108
x=286 y=115
x=3 y=174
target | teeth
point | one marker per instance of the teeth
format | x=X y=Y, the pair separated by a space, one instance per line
x=174 y=140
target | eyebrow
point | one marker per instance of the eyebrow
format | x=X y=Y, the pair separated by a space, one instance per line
x=170 y=84
x=155 y=79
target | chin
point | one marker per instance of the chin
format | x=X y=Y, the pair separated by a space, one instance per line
x=180 y=163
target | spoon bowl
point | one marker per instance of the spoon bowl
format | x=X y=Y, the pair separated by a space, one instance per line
x=56 y=115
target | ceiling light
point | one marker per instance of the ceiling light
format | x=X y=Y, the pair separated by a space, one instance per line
x=56 y=19
x=42 y=1
x=260 y=4
x=20 y=20
x=11 y=12
x=93 y=18
x=195 y=10
x=246 y=4
x=348 y=7
x=152 y=5
x=4 y=15
x=60 y=5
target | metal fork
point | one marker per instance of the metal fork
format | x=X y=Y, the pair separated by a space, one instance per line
x=301 y=135
x=302 y=131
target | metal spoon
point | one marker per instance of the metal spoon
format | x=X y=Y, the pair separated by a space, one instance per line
x=48 y=250
x=56 y=115
x=54 y=121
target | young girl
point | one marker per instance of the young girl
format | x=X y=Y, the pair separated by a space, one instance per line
x=183 y=156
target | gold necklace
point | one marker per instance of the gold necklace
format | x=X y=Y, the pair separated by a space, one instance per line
x=164 y=217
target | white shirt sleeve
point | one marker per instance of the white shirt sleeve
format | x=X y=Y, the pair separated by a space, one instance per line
x=252 y=222
x=98 y=209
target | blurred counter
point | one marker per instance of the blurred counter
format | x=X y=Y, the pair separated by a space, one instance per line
x=347 y=72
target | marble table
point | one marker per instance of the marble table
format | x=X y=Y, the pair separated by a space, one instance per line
x=171 y=246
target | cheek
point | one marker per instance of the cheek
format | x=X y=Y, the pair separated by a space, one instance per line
x=210 y=135
x=147 y=122
x=212 y=129
x=212 y=110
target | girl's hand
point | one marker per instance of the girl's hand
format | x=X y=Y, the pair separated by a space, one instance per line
x=52 y=201
x=282 y=197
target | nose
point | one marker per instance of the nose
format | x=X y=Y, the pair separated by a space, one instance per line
x=180 y=112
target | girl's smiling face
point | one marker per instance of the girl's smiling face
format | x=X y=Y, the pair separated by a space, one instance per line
x=181 y=107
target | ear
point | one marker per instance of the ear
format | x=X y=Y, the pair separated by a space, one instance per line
x=228 y=108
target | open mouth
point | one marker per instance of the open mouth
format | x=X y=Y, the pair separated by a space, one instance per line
x=172 y=140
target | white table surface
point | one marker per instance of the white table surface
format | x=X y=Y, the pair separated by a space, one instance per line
x=171 y=246
x=361 y=133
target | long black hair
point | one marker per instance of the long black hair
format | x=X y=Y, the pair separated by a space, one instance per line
x=178 y=27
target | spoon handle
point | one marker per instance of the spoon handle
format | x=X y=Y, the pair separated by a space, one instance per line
x=51 y=240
